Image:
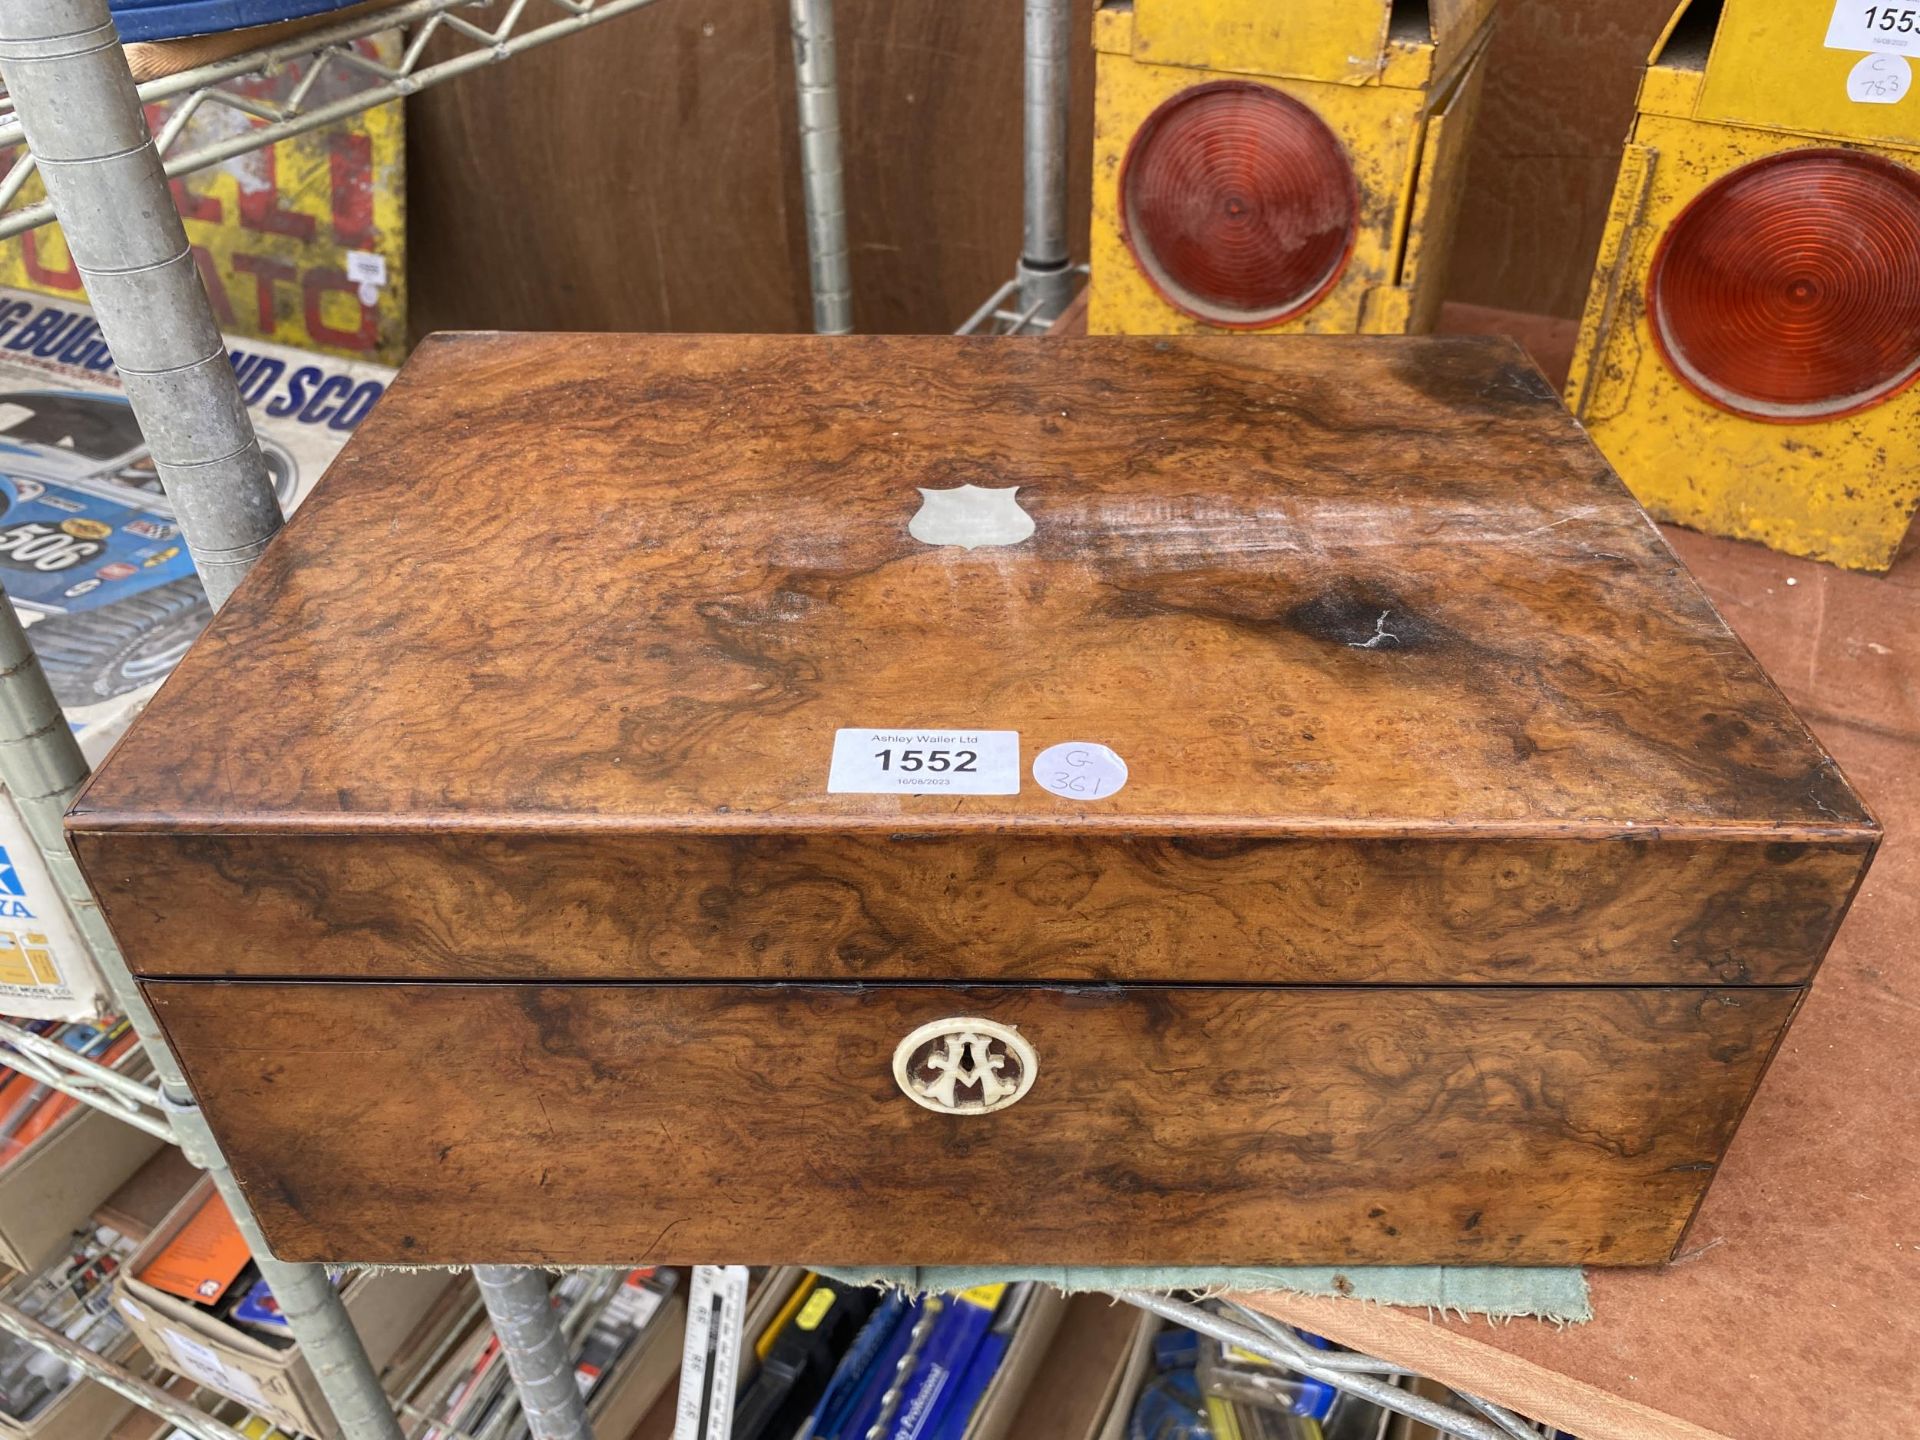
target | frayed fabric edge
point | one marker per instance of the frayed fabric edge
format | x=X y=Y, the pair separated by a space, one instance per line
x=1557 y=1295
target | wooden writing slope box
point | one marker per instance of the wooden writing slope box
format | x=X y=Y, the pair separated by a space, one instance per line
x=498 y=865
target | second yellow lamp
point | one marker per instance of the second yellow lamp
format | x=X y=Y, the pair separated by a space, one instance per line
x=1289 y=167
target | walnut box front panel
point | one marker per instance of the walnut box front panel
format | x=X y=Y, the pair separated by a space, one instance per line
x=630 y=1124
x=557 y=846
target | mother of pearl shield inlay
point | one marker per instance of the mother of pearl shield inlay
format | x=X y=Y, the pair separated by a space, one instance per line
x=964 y=1066
x=970 y=516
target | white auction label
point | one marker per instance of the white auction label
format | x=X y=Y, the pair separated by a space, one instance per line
x=1880 y=80
x=925 y=762
x=1857 y=25
x=368 y=270
x=1079 y=770
x=366 y=267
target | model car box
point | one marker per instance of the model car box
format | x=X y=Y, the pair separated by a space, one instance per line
x=1205 y=800
x=276 y=1382
x=90 y=553
x=45 y=970
x=93 y=562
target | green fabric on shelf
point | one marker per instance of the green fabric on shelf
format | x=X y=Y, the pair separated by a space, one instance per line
x=1507 y=1291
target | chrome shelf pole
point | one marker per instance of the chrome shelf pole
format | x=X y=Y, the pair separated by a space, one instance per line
x=1045 y=272
x=539 y=1358
x=1045 y=278
x=77 y=106
x=821 y=175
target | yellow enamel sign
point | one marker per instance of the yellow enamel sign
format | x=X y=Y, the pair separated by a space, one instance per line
x=302 y=242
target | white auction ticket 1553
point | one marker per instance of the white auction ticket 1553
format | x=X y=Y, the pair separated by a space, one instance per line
x=925 y=762
x=1859 y=25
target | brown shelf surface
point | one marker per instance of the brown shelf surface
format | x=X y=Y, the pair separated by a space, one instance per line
x=1792 y=1310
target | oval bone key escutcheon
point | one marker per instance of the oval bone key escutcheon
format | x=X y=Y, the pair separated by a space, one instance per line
x=964 y=1066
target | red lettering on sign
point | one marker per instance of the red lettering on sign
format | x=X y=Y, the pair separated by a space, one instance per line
x=192 y=206
x=316 y=284
x=350 y=168
x=41 y=274
x=265 y=271
x=215 y=285
x=260 y=207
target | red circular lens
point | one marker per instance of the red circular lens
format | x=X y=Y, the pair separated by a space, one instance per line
x=1238 y=203
x=1790 y=289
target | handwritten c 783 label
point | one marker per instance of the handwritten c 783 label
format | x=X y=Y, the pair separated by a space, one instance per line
x=1864 y=25
x=925 y=762
x=1880 y=80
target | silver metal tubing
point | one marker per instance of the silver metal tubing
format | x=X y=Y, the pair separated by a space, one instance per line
x=821 y=174
x=520 y=1305
x=138 y=1103
x=1046 y=281
x=996 y=318
x=76 y=103
x=1510 y=1424
x=122 y=1381
x=988 y=310
x=1443 y=1418
x=1283 y=1336
x=42 y=767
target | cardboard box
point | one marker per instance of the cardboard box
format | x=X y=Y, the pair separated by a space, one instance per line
x=1032 y=1336
x=303 y=242
x=1135 y=1366
x=139 y=1206
x=115 y=611
x=87 y=1411
x=384 y=1306
x=55 y=1184
x=642 y=1375
x=1405 y=1427
x=106 y=622
x=46 y=973
x=1080 y=1374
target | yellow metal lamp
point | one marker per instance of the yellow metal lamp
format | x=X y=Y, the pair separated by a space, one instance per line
x=1281 y=167
x=1752 y=338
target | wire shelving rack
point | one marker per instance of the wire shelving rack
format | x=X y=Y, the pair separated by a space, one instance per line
x=72 y=118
